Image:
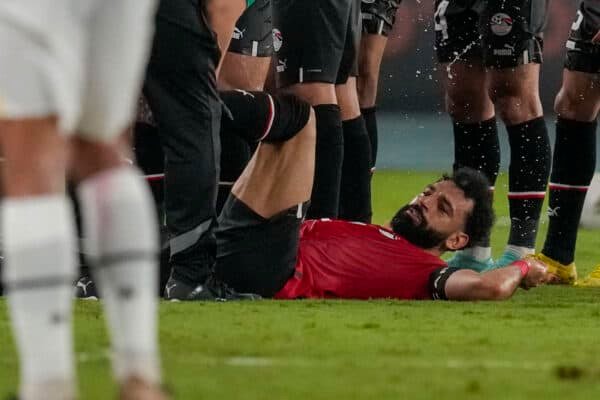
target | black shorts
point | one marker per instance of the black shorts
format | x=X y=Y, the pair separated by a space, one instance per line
x=316 y=40
x=253 y=34
x=504 y=34
x=583 y=55
x=379 y=16
x=254 y=254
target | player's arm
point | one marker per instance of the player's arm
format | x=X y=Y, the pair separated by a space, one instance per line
x=498 y=284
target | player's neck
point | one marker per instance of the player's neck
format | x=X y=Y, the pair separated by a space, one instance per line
x=435 y=251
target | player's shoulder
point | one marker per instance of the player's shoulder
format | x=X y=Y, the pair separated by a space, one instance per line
x=341 y=226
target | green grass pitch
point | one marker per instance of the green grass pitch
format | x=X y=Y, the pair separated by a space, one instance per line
x=542 y=344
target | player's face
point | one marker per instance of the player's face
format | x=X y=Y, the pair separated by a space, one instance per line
x=436 y=217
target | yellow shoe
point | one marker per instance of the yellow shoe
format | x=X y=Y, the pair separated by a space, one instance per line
x=565 y=274
x=592 y=280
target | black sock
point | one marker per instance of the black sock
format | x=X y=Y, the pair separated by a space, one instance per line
x=527 y=179
x=290 y=115
x=573 y=168
x=355 y=193
x=370 y=116
x=477 y=146
x=328 y=162
x=256 y=116
x=248 y=114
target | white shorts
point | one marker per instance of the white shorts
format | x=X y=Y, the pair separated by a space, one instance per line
x=81 y=60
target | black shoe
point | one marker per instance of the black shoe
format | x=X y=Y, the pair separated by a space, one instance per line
x=212 y=290
x=85 y=288
x=176 y=290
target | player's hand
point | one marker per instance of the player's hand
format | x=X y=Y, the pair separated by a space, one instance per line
x=596 y=38
x=537 y=275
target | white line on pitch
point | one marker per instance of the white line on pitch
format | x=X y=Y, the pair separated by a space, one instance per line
x=249 y=361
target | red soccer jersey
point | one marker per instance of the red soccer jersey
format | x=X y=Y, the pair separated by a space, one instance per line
x=340 y=259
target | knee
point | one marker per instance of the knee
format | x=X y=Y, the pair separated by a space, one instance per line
x=367 y=90
x=571 y=105
x=514 y=104
x=33 y=164
x=89 y=158
x=315 y=93
x=468 y=104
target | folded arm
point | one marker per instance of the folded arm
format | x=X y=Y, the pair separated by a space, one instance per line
x=498 y=284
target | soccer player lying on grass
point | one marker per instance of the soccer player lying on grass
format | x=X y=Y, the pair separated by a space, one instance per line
x=264 y=245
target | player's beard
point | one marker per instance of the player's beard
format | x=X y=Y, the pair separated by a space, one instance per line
x=418 y=234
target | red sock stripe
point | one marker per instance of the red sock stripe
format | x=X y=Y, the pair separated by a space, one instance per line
x=561 y=186
x=526 y=195
x=154 y=177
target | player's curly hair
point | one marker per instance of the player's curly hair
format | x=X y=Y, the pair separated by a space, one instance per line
x=475 y=186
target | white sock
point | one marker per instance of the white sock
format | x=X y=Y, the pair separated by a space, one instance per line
x=40 y=266
x=479 y=253
x=121 y=234
x=519 y=251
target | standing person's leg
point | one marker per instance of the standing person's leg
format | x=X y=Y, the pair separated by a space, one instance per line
x=38 y=225
x=355 y=187
x=37 y=219
x=180 y=89
x=476 y=144
x=512 y=43
x=311 y=37
x=378 y=18
x=119 y=219
x=574 y=160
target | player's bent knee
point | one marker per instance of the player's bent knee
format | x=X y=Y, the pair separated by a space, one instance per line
x=304 y=142
x=292 y=115
x=259 y=116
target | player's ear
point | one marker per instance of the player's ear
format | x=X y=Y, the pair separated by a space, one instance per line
x=456 y=241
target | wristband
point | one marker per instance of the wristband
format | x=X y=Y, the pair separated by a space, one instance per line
x=523 y=266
